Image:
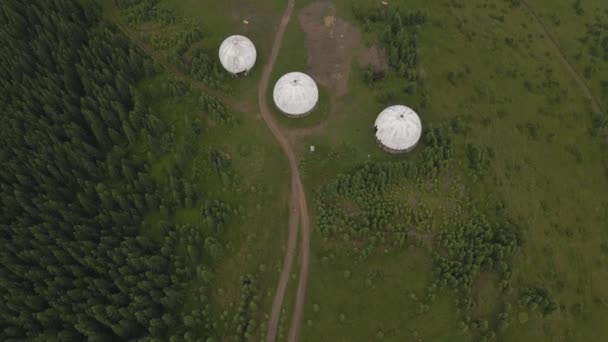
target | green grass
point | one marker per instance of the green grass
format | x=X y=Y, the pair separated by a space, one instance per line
x=385 y=303
x=254 y=242
x=562 y=244
x=567 y=28
x=263 y=17
x=548 y=169
x=258 y=184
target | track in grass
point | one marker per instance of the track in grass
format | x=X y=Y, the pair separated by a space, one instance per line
x=595 y=104
x=298 y=205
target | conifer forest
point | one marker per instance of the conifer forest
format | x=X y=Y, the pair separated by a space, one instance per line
x=149 y=192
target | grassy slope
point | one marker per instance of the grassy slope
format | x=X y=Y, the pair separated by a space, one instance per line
x=262 y=17
x=258 y=237
x=562 y=248
x=256 y=240
x=567 y=28
x=224 y=18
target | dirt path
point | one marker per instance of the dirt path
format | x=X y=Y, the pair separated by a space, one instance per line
x=277 y=303
x=595 y=104
x=298 y=207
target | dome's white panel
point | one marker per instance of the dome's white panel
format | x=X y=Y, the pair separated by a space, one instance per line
x=237 y=54
x=398 y=128
x=295 y=93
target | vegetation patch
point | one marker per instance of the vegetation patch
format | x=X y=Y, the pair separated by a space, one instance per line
x=331 y=43
x=179 y=40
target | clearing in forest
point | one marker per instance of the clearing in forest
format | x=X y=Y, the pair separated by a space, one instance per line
x=330 y=42
x=374 y=57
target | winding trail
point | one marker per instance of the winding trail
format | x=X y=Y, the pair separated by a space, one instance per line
x=595 y=104
x=298 y=206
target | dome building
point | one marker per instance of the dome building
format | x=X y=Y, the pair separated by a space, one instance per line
x=295 y=94
x=237 y=54
x=398 y=129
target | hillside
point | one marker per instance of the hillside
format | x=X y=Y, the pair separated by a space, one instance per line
x=147 y=194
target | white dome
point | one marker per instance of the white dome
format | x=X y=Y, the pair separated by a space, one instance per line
x=295 y=93
x=237 y=54
x=398 y=128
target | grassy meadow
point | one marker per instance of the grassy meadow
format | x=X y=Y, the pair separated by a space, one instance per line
x=254 y=238
x=548 y=168
x=568 y=23
x=490 y=78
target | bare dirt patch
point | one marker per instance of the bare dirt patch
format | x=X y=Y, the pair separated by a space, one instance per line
x=351 y=208
x=331 y=43
x=374 y=57
x=484 y=279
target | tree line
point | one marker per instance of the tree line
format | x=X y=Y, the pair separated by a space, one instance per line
x=376 y=208
x=400 y=32
x=79 y=259
x=363 y=191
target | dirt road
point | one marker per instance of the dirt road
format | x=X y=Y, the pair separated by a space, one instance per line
x=595 y=104
x=298 y=207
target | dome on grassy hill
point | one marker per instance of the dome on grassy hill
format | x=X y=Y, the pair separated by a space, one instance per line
x=296 y=94
x=398 y=129
x=237 y=54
